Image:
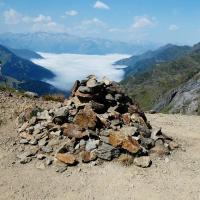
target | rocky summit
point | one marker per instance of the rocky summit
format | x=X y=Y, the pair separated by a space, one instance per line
x=98 y=122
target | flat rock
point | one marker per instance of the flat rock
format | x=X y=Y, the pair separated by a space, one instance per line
x=66 y=158
x=72 y=131
x=107 y=152
x=143 y=161
x=86 y=118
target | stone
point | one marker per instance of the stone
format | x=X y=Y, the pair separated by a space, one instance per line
x=75 y=87
x=143 y=161
x=49 y=161
x=116 y=139
x=26 y=136
x=31 y=94
x=126 y=118
x=173 y=145
x=107 y=152
x=61 y=169
x=135 y=118
x=86 y=118
x=72 y=131
x=109 y=97
x=84 y=89
x=105 y=139
x=159 y=150
x=91 y=82
x=43 y=141
x=23 y=127
x=66 y=158
x=61 y=112
x=44 y=116
x=33 y=141
x=88 y=156
x=131 y=145
x=25 y=160
x=23 y=141
x=47 y=149
x=41 y=156
x=36 y=131
x=98 y=107
x=147 y=143
x=91 y=145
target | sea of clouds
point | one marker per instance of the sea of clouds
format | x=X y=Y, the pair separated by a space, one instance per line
x=71 y=67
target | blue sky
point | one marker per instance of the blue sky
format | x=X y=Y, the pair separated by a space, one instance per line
x=174 y=21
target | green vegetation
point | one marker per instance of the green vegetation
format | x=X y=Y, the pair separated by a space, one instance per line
x=150 y=85
x=54 y=97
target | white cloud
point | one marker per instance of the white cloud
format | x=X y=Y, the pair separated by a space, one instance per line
x=71 y=13
x=141 y=22
x=80 y=66
x=42 y=19
x=11 y=16
x=101 y=5
x=173 y=27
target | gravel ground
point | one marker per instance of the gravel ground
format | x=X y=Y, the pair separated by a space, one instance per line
x=175 y=177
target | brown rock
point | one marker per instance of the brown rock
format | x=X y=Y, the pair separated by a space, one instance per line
x=116 y=139
x=135 y=118
x=66 y=158
x=131 y=145
x=88 y=156
x=86 y=118
x=126 y=118
x=72 y=131
x=26 y=136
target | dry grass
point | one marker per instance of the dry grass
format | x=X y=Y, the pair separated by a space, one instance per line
x=54 y=97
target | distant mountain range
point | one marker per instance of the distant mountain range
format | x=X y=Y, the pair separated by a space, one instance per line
x=65 y=43
x=23 y=74
x=165 y=80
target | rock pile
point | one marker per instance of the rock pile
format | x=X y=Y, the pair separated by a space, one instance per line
x=98 y=122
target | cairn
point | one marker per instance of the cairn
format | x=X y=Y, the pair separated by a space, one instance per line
x=98 y=122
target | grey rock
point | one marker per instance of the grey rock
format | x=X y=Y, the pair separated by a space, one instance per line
x=147 y=143
x=107 y=152
x=143 y=161
x=44 y=116
x=43 y=141
x=49 y=161
x=91 y=145
x=25 y=160
x=61 y=169
x=47 y=149
x=23 y=141
x=61 y=112
x=41 y=156
x=31 y=94
x=84 y=89
x=104 y=139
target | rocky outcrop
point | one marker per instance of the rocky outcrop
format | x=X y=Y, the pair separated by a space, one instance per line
x=184 y=99
x=98 y=122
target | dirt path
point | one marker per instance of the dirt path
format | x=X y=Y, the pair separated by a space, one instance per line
x=175 y=178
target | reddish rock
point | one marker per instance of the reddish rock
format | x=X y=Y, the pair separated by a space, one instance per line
x=86 y=118
x=116 y=138
x=72 y=131
x=66 y=158
x=88 y=156
x=131 y=145
x=126 y=118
